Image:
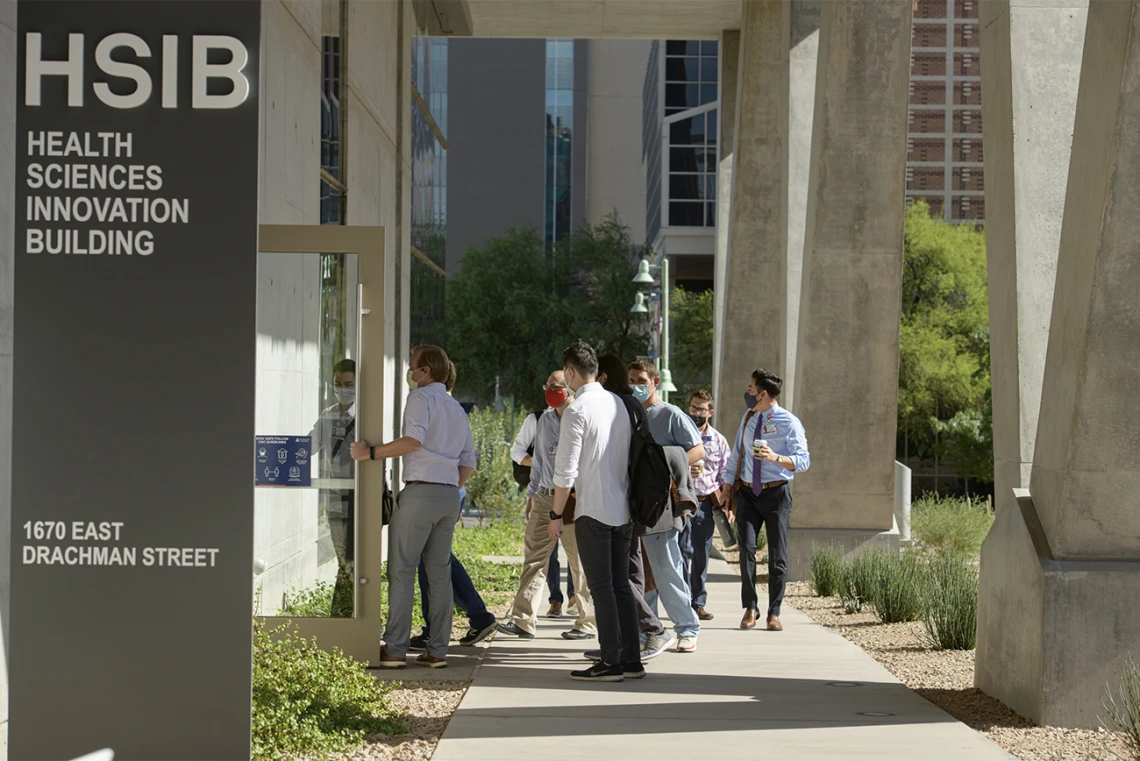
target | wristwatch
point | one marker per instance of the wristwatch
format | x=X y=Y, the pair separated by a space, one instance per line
x=555 y=516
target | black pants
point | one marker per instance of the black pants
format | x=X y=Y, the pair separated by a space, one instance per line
x=647 y=621
x=604 y=551
x=771 y=509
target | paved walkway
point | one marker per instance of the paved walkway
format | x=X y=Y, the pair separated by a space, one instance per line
x=801 y=694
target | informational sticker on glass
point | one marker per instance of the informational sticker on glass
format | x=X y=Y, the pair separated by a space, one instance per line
x=283 y=460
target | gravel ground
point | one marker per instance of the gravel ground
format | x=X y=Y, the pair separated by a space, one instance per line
x=946 y=678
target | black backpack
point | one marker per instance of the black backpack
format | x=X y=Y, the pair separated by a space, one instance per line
x=650 y=480
x=522 y=472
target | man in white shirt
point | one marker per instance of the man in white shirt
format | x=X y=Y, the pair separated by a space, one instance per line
x=439 y=457
x=593 y=458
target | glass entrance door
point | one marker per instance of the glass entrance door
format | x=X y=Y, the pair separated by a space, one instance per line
x=317 y=520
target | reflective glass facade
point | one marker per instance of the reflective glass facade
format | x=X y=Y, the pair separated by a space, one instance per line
x=559 y=148
x=332 y=199
x=429 y=190
x=651 y=142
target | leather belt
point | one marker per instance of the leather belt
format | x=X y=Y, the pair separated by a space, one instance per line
x=768 y=485
x=545 y=493
x=704 y=497
x=429 y=483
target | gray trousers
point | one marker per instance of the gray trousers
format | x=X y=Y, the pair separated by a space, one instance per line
x=422 y=526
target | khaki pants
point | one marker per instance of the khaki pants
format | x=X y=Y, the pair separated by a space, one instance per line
x=532 y=585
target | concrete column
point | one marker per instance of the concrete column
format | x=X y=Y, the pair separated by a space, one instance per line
x=726 y=154
x=7 y=261
x=847 y=363
x=803 y=52
x=1031 y=63
x=765 y=149
x=1073 y=583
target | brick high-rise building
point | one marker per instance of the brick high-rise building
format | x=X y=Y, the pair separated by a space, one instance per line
x=944 y=160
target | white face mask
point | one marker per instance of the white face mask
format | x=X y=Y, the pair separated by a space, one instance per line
x=344 y=396
x=412 y=382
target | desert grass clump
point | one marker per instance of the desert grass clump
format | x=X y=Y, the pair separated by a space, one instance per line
x=950 y=610
x=826 y=570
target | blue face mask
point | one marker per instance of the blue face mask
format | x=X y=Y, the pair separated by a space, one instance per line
x=641 y=393
x=750 y=400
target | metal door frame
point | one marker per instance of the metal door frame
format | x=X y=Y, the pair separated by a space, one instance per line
x=358 y=637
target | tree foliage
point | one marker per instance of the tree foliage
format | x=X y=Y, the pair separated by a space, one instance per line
x=944 y=377
x=691 y=358
x=514 y=306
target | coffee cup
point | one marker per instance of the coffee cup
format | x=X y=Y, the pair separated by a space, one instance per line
x=757 y=444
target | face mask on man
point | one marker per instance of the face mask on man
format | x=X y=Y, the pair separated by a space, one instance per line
x=412 y=379
x=344 y=396
x=641 y=392
x=751 y=400
x=555 y=397
x=700 y=420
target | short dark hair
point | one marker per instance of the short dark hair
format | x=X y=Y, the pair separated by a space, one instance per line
x=703 y=394
x=647 y=366
x=582 y=357
x=768 y=381
x=449 y=384
x=617 y=377
x=345 y=366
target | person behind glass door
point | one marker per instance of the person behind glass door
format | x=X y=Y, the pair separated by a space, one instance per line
x=439 y=456
x=331 y=438
x=480 y=621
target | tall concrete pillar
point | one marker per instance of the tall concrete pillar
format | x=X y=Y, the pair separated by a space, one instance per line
x=1031 y=64
x=1072 y=565
x=847 y=361
x=762 y=192
x=726 y=154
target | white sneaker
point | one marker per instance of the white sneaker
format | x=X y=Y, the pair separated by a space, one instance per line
x=687 y=645
x=655 y=645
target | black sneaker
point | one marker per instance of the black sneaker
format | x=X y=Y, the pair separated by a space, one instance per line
x=633 y=670
x=475 y=636
x=577 y=634
x=599 y=672
x=419 y=642
x=511 y=628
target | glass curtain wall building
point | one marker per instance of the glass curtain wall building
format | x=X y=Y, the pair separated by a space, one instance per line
x=429 y=190
x=559 y=144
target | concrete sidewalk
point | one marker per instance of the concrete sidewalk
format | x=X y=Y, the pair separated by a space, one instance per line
x=801 y=694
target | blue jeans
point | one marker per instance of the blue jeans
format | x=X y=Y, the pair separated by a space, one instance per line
x=553 y=577
x=663 y=552
x=696 y=547
x=463 y=592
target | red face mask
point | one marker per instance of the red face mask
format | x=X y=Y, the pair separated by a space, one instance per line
x=555 y=398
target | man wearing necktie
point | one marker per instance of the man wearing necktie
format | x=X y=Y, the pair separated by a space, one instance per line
x=769 y=449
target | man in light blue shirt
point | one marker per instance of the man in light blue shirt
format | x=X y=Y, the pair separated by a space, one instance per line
x=770 y=447
x=439 y=456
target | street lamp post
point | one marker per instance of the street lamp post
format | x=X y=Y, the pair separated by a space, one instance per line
x=644 y=278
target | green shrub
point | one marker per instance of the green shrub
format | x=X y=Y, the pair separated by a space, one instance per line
x=310 y=702
x=950 y=610
x=315 y=602
x=898 y=592
x=953 y=525
x=492 y=488
x=866 y=570
x=848 y=594
x=1123 y=706
x=826 y=570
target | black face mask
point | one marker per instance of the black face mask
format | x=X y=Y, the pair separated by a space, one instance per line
x=700 y=420
x=751 y=400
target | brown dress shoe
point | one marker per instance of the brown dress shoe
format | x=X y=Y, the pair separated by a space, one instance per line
x=749 y=620
x=774 y=624
x=390 y=661
x=704 y=615
x=555 y=610
x=431 y=661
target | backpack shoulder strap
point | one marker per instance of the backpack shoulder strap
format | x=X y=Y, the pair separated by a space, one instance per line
x=740 y=447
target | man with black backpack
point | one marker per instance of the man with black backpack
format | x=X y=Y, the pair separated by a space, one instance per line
x=593 y=458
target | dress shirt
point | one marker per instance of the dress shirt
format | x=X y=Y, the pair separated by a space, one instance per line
x=716 y=462
x=525 y=438
x=439 y=423
x=785 y=436
x=545 y=450
x=671 y=427
x=593 y=455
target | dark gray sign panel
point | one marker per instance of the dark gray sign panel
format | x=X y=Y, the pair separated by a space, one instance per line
x=135 y=288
